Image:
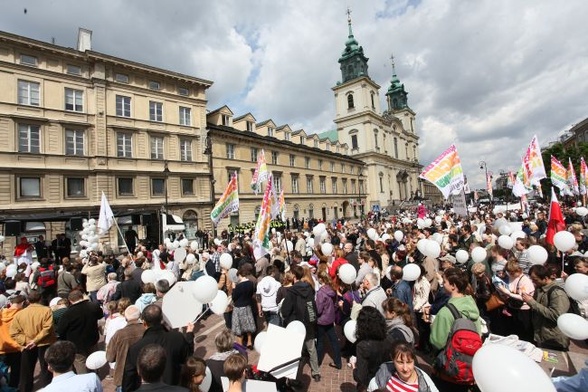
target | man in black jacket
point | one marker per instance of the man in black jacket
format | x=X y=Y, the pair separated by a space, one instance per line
x=130 y=288
x=299 y=304
x=175 y=345
x=79 y=325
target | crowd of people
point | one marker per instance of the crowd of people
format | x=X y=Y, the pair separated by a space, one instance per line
x=58 y=310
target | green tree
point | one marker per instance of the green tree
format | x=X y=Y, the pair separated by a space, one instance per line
x=563 y=154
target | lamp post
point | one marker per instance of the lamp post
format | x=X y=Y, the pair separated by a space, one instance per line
x=484 y=166
x=359 y=182
x=166 y=173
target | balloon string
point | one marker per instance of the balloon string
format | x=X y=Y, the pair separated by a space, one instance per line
x=201 y=314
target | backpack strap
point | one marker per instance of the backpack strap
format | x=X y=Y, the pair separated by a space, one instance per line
x=454 y=312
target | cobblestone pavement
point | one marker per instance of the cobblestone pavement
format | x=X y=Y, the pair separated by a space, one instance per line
x=331 y=379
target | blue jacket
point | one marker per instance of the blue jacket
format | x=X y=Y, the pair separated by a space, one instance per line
x=403 y=292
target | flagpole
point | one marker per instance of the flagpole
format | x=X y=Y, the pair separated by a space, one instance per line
x=123 y=237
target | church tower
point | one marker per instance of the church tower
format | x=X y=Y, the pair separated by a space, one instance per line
x=396 y=97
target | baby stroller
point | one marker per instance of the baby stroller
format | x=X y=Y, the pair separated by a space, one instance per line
x=283 y=384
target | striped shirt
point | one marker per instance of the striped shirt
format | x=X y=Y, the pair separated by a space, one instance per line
x=395 y=384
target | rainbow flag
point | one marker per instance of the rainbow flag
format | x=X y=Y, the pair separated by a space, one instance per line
x=282 y=203
x=261 y=237
x=583 y=176
x=559 y=175
x=261 y=173
x=533 y=162
x=522 y=185
x=511 y=180
x=228 y=203
x=572 y=179
x=489 y=185
x=446 y=173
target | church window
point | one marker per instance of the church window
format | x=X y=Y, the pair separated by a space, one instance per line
x=373 y=101
x=350 y=103
x=354 y=144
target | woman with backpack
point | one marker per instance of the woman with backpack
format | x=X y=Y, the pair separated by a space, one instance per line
x=399 y=324
x=326 y=299
x=455 y=283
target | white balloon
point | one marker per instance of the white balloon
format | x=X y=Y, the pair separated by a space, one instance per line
x=433 y=249
x=179 y=255
x=297 y=327
x=577 y=286
x=176 y=244
x=347 y=273
x=233 y=275
x=11 y=271
x=398 y=235
x=510 y=370
x=184 y=242
x=2 y=267
x=422 y=246
x=462 y=256
x=500 y=222
x=205 y=289
x=2 y=238
x=573 y=326
x=324 y=236
x=219 y=303
x=428 y=222
x=349 y=330
x=420 y=223
x=385 y=237
x=518 y=234
x=83 y=253
x=164 y=274
x=319 y=229
x=505 y=230
x=217 y=242
x=289 y=246
x=564 y=240
x=411 y=272
x=259 y=341
x=310 y=242
x=327 y=249
x=207 y=382
x=96 y=360
x=226 y=261
x=438 y=238
x=191 y=259
x=479 y=254
x=537 y=254
x=438 y=219
x=582 y=211
x=505 y=241
x=91 y=222
x=372 y=234
x=194 y=245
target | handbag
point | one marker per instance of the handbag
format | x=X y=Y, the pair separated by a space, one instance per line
x=494 y=302
x=516 y=303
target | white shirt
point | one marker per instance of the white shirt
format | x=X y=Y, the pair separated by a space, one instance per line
x=70 y=382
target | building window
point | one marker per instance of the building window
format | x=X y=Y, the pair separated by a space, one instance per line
x=292 y=160
x=249 y=125
x=25 y=59
x=396 y=148
x=73 y=70
x=307 y=162
x=350 y=103
x=381 y=178
x=28 y=93
x=74 y=142
x=344 y=181
x=342 y=168
x=253 y=154
x=187 y=187
x=278 y=183
x=353 y=187
x=185 y=116
x=226 y=120
x=125 y=186
x=29 y=187
x=316 y=143
x=323 y=185
x=320 y=164
x=156 y=147
x=230 y=151
x=185 y=150
x=123 y=106
x=376 y=140
x=183 y=91
x=295 y=188
x=274 y=157
x=157 y=187
x=29 y=138
x=124 y=146
x=352 y=169
x=301 y=139
x=406 y=150
x=76 y=187
x=328 y=146
x=334 y=185
x=74 y=100
x=309 y=184
x=414 y=152
x=270 y=131
x=122 y=78
x=287 y=136
x=373 y=100
x=153 y=85
x=155 y=111
x=333 y=167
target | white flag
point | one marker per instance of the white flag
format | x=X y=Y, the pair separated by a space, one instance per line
x=106 y=217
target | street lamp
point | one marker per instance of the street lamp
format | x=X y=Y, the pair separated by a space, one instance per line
x=166 y=173
x=484 y=166
x=359 y=182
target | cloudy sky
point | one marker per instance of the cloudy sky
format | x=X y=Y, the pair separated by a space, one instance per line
x=486 y=75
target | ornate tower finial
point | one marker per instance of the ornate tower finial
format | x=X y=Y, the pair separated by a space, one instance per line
x=349 y=22
x=393 y=64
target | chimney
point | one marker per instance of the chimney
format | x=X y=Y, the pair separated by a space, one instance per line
x=84 y=39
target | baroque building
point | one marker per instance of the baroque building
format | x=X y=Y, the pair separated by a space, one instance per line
x=76 y=123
